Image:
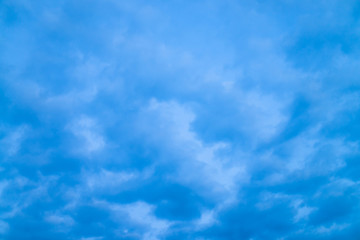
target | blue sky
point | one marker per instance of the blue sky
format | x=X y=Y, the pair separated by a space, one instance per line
x=199 y=120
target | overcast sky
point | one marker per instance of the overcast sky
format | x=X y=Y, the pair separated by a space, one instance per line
x=179 y=120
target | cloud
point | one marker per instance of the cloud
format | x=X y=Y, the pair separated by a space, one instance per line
x=59 y=219
x=140 y=214
x=199 y=120
x=108 y=180
x=171 y=128
x=334 y=227
x=12 y=141
x=86 y=129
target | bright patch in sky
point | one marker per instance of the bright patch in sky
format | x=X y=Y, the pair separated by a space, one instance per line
x=204 y=120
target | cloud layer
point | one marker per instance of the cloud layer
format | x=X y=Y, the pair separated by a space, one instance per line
x=172 y=120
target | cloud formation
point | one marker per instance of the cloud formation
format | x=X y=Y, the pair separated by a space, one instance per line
x=171 y=120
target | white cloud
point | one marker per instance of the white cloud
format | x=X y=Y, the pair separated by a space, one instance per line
x=91 y=238
x=302 y=210
x=97 y=182
x=306 y=155
x=199 y=165
x=269 y=199
x=108 y=181
x=11 y=143
x=336 y=187
x=140 y=214
x=303 y=213
x=59 y=219
x=309 y=149
x=28 y=192
x=88 y=132
x=266 y=114
x=330 y=229
x=207 y=219
x=72 y=98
